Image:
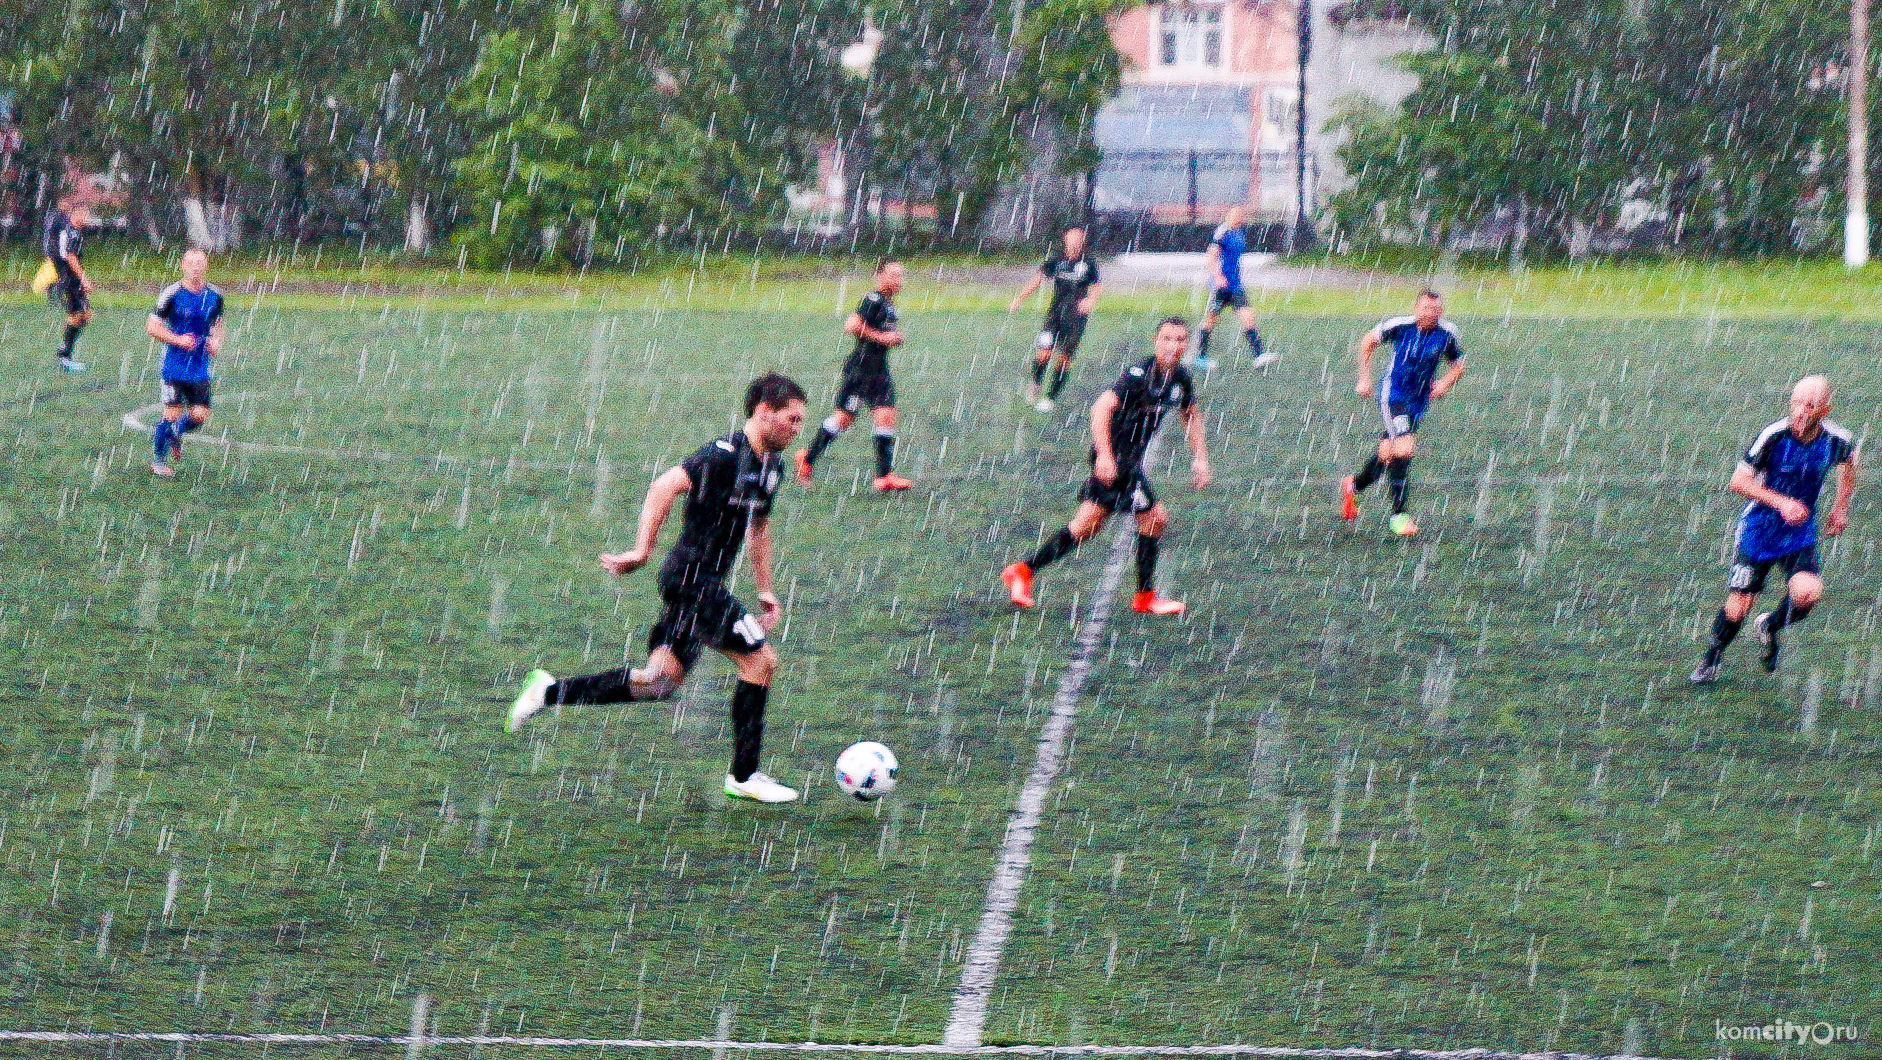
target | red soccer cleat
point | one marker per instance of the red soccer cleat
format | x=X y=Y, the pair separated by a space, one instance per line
x=892 y=481
x=1149 y=603
x=1018 y=579
x=803 y=467
x=1349 y=499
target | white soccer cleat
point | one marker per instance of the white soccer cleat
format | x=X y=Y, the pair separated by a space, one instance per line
x=1266 y=359
x=1044 y=405
x=531 y=700
x=70 y=365
x=758 y=788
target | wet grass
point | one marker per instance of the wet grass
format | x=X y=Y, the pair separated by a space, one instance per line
x=1445 y=792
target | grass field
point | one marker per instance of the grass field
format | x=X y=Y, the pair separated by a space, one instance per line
x=1443 y=793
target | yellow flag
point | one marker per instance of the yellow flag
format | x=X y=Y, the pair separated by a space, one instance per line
x=45 y=277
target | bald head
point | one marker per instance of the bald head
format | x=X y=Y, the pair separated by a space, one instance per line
x=1810 y=403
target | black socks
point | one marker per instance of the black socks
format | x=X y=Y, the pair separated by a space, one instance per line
x=1254 y=343
x=1395 y=475
x=1056 y=547
x=885 y=453
x=1787 y=614
x=748 y=728
x=71 y=340
x=1202 y=343
x=1147 y=550
x=821 y=442
x=1058 y=381
x=1370 y=473
x=1723 y=631
x=1039 y=370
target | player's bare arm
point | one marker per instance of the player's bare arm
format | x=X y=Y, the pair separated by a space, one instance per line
x=1105 y=466
x=1199 y=474
x=1215 y=266
x=1366 y=346
x=1838 y=519
x=1448 y=379
x=1745 y=483
x=758 y=544
x=1090 y=301
x=156 y=329
x=855 y=326
x=669 y=487
x=1027 y=292
x=214 y=345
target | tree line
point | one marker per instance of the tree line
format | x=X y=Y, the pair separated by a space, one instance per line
x=567 y=130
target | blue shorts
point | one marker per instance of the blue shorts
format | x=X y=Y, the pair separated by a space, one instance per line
x=1401 y=417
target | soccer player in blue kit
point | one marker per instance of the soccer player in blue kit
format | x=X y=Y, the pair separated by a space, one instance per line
x=188 y=321
x=1782 y=474
x=1226 y=248
x=1420 y=342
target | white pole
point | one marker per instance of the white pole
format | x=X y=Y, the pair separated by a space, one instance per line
x=1856 y=227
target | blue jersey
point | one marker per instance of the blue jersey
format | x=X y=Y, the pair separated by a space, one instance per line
x=188 y=312
x=1415 y=358
x=1795 y=469
x=1232 y=244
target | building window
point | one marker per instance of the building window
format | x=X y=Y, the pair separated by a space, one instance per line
x=1190 y=36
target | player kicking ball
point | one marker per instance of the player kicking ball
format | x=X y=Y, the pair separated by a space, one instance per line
x=728 y=487
x=1123 y=420
x=1782 y=474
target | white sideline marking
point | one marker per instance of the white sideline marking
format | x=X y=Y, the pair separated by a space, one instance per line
x=968 y=1016
x=420 y=1042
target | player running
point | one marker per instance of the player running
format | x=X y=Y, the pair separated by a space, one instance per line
x=728 y=486
x=866 y=380
x=188 y=321
x=64 y=245
x=1123 y=419
x=1226 y=248
x=1420 y=342
x=1075 y=290
x=1782 y=474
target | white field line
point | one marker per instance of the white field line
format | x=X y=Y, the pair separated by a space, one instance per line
x=423 y=1041
x=968 y=1016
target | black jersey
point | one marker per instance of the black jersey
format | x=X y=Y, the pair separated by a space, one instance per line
x=732 y=485
x=1071 y=279
x=62 y=237
x=877 y=311
x=1144 y=394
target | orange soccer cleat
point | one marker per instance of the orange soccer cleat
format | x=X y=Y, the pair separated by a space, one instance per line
x=803 y=467
x=1148 y=602
x=1018 y=579
x=1349 y=499
x=892 y=481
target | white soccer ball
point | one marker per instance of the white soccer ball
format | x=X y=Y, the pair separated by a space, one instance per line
x=866 y=770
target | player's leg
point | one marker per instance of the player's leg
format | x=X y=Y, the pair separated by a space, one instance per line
x=1743 y=585
x=198 y=415
x=1150 y=526
x=164 y=439
x=884 y=428
x=1070 y=334
x=740 y=637
x=1089 y=518
x=1216 y=302
x=77 y=315
x=833 y=427
x=1397 y=475
x=1041 y=357
x=1802 y=592
x=1255 y=348
x=658 y=678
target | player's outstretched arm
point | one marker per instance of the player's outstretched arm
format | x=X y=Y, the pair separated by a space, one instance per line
x=1448 y=379
x=1194 y=431
x=1025 y=293
x=1366 y=345
x=1105 y=466
x=669 y=487
x=1838 y=518
x=1090 y=301
x=1745 y=483
x=758 y=542
x=214 y=345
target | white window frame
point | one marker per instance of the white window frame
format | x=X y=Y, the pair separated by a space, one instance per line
x=1190 y=57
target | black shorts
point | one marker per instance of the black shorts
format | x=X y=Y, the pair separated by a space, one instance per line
x=1063 y=331
x=865 y=389
x=1748 y=574
x=1128 y=494
x=178 y=392
x=704 y=615
x=68 y=294
x=1228 y=296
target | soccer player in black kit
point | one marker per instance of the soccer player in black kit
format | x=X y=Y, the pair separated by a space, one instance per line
x=728 y=486
x=1123 y=420
x=1075 y=290
x=866 y=381
x=64 y=245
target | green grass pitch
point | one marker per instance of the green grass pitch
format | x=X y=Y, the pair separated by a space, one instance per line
x=1447 y=792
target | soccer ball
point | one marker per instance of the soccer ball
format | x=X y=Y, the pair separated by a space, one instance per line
x=866 y=770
